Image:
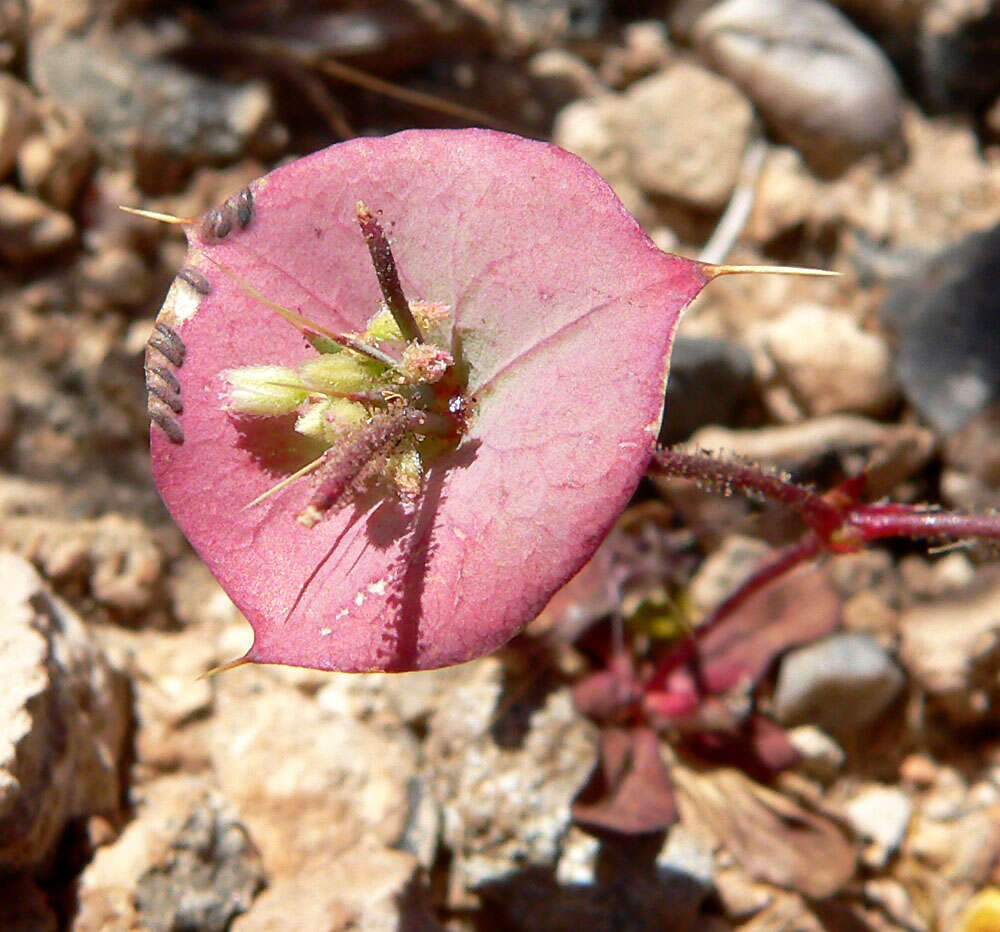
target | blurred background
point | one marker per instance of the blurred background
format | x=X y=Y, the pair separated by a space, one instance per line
x=857 y=136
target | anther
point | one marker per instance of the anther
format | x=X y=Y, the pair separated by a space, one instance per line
x=195 y=279
x=167 y=423
x=168 y=342
x=244 y=207
x=218 y=222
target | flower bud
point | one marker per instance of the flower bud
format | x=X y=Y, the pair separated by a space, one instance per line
x=264 y=390
x=383 y=326
x=336 y=372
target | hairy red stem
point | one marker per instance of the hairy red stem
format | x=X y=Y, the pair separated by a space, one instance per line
x=387 y=274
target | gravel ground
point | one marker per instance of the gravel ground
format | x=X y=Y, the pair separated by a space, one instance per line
x=859 y=137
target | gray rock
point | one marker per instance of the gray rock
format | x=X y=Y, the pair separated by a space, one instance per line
x=948 y=356
x=138 y=105
x=820 y=83
x=506 y=808
x=958 y=68
x=64 y=713
x=211 y=873
x=841 y=683
x=710 y=383
x=183 y=861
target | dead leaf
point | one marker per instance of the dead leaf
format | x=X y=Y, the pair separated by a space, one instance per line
x=771 y=838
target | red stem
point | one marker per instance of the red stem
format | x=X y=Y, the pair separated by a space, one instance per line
x=729 y=477
x=838 y=522
x=875 y=522
x=387 y=274
x=780 y=563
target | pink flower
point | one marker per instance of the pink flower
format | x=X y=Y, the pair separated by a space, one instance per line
x=552 y=317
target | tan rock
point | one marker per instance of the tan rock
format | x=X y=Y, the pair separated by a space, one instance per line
x=952 y=647
x=183 y=861
x=309 y=782
x=30 y=229
x=54 y=162
x=587 y=129
x=825 y=360
x=685 y=130
x=369 y=887
x=116 y=555
x=17 y=118
x=785 y=196
x=64 y=713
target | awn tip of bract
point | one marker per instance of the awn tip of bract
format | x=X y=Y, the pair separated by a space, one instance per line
x=153 y=215
x=223 y=667
x=714 y=271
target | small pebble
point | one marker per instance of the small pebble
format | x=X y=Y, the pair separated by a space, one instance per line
x=841 y=684
x=30 y=229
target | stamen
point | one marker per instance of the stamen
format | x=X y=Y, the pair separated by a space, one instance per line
x=381 y=433
x=376 y=398
x=387 y=274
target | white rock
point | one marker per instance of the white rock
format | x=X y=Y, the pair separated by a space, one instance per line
x=822 y=757
x=578 y=858
x=685 y=867
x=840 y=683
x=880 y=815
